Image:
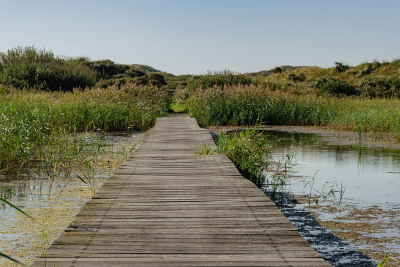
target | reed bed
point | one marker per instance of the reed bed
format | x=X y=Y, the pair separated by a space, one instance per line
x=38 y=126
x=251 y=104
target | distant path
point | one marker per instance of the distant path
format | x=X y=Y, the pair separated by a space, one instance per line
x=165 y=207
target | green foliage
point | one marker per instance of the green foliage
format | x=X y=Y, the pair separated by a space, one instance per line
x=156 y=79
x=380 y=86
x=106 y=68
x=249 y=150
x=34 y=68
x=332 y=86
x=144 y=68
x=177 y=82
x=276 y=70
x=294 y=78
x=133 y=73
x=250 y=105
x=340 y=67
x=32 y=120
x=219 y=79
x=120 y=81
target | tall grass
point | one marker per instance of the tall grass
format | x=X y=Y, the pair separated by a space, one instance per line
x=249 y=105
x=250 y=150
x=34 y=123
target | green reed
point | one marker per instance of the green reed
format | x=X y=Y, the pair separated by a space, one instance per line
x=249 y=105
x=249 y=150
x=36 y=126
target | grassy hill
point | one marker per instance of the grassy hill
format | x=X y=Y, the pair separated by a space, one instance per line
x=265 y=73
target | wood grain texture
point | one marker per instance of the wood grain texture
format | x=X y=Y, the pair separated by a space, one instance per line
x=167 y=207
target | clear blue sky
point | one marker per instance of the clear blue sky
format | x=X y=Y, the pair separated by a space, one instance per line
x=193 y=36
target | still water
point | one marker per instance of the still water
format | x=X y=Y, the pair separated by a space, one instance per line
x=370 y=175
x=21 y=237
x=368 y=216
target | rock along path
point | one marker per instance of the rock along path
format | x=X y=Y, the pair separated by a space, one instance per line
x=166 y=207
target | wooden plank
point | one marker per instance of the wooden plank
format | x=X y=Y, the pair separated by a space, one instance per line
x=167 y=207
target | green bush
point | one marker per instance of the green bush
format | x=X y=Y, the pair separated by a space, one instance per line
x=156 y=79
x=121 y=79
x=338 y=87
x=380 y=86
x=220 y=79
x=340 y=67
x=34 y=68
x=332 y=86
x=106 y=68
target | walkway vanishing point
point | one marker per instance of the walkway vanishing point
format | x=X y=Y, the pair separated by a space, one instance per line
x=165 y=207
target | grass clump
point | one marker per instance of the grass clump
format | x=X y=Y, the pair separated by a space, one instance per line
x=250 y=150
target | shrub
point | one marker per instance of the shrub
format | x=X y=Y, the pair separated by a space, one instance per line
x=339 y=67
x=106 y=68
x=294 y=78
x=156 y=79
x=220 y=79
x=121 y=79
x=277 y=70
x=34 y=68
x=338 y=87
x=332 y=86
x=380 y=86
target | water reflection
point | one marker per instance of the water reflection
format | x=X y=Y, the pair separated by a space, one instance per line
x=371 y=175
x=369 y=214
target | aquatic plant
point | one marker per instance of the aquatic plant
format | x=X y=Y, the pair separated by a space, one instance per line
x=249 y=150
x=249 y=105
x=382 y=263
x=37 y=125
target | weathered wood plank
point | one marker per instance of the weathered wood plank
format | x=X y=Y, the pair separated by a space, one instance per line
x=167 y=207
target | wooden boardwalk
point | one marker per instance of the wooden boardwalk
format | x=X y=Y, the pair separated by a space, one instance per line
x=165 y=207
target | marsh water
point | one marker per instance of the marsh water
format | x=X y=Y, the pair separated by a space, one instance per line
x=368 y=215
x=21 y=237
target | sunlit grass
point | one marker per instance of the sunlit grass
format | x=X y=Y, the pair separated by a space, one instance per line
x=249 y=105
x=37 y=127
